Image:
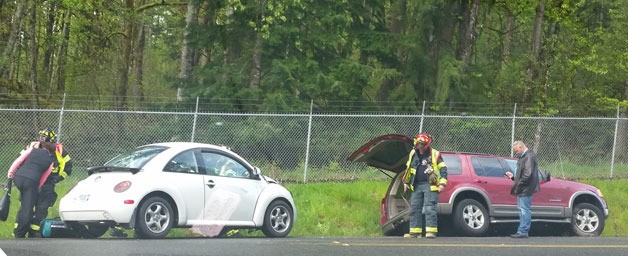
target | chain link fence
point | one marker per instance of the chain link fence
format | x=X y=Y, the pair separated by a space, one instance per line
x=314 y=147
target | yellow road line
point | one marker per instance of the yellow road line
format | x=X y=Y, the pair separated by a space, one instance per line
x=485 y=245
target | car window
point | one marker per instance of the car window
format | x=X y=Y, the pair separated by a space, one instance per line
x=222 y=165
x=183 y=163
x=487 y=166
x=136 y=158
x=512 y=164
x=453 y=164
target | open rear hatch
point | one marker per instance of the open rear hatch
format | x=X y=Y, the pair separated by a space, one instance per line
x=387 y=152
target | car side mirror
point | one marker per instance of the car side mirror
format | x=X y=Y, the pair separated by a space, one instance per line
x=256 y=172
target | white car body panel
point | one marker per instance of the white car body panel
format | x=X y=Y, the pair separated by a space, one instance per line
x=198 y=199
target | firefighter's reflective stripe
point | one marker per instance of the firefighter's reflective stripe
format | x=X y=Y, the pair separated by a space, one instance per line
x=416 y=230
x=408 y=176
x=437 y=166
x=60 y=169
x=431 y=229
x=35 y=227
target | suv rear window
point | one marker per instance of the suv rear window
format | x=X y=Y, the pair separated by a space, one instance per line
x=453 y=164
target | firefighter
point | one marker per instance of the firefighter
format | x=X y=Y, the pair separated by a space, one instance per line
x=426 y=176
x=29 y=172
x=62 y=167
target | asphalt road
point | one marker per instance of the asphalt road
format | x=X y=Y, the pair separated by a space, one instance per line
x=345 y=246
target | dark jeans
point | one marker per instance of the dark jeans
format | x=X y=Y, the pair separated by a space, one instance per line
x=28 y=199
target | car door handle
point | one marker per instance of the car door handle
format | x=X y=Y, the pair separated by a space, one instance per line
x=211 y=184
x=481 y=181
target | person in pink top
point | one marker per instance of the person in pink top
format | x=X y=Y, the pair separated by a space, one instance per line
x=29 y=171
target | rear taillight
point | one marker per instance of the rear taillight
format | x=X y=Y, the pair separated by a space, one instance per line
x=384 y=218
x=122 y=186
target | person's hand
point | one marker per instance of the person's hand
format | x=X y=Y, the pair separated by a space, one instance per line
x=441 y=188
x=509 y=175
x=10 y=175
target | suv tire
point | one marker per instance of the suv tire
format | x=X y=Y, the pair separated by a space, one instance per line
x=587 y=220
x=471 y=218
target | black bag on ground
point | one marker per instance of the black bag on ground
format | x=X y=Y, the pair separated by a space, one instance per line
x=55 y=228
x=5 y=201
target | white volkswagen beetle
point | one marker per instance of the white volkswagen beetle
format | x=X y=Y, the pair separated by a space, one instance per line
x=157 y=187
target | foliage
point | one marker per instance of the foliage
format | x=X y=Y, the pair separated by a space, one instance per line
x=348 y=55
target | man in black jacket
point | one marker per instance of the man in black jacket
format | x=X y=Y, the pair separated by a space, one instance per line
x=526 y=183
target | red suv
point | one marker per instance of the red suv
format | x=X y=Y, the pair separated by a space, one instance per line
x=478 y=194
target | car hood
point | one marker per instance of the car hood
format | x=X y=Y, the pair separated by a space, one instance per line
x=388 y=152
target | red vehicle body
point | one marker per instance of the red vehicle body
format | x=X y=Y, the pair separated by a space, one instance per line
x=478 y=194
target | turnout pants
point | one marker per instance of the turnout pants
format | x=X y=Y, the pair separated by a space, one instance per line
x=423 y=204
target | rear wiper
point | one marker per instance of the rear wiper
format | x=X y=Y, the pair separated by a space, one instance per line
x=94 y=169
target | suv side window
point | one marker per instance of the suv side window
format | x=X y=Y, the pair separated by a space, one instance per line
x=453 y=164
x=487 y=166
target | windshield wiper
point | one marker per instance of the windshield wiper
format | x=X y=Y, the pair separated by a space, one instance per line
x=94 y=169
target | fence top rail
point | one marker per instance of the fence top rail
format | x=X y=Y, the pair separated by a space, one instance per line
x=308 y=114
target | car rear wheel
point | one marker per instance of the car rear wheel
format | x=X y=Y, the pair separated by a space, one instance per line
x=154 y=219
x=278 y=219
x=471 y=218
x=587 y=220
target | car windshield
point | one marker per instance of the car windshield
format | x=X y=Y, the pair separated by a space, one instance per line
x=136 y=158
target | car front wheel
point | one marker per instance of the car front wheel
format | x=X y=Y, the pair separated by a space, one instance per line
x=587 y=220
x=154 y=218
x=471 y=218
x=278 y=219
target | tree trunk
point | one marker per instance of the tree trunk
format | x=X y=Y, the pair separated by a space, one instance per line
x=187 y=53
x=398 y=13
x=58 y=72
x=125 y=63
x=468 y=34
x=33 y=52
x=537 y=137
x=10 y=51
x=256 y=71
x=49 y=46
x=138 y=90
x=506 y=41
x=533 y=67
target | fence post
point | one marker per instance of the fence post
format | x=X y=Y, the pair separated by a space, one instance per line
x=422 y=116
x=614 y=143
x=307 y=145
x=194 y=123
x=512 y=130
x=60 y=119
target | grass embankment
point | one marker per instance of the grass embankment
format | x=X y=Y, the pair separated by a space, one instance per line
x=352 y=209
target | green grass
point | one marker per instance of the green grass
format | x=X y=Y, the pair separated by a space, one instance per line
x=352 y=208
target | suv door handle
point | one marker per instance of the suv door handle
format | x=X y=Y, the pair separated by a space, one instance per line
x=211 y=184
x=481 y=181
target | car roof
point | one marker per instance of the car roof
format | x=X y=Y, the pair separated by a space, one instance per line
x=187 y=145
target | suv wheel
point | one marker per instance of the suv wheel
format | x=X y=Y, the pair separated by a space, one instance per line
x=587 y=220
x=471 y=217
